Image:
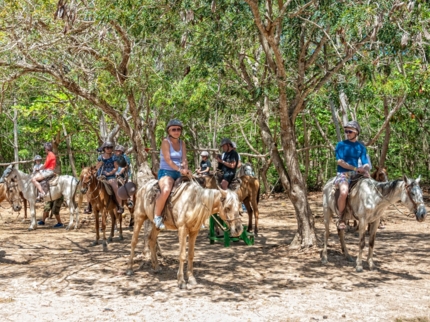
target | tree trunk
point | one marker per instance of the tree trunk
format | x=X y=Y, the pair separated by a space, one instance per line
x=384 y=149
x=15 y=136
x=69 y=152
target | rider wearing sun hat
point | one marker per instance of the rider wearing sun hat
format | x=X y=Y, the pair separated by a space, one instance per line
x=348 y=154
x=205 y=164
x=173 y=164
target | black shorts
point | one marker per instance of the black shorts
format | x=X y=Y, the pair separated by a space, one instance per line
x=228 y=176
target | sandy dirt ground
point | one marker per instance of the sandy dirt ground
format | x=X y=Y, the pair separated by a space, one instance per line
x=53 y=274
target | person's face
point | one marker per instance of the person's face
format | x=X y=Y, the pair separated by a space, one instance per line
x=38 y=161
x=225 y=147
x=118 y=152
x=108 y=149
x=350 y=133
x=175 y=131
x=204 y=157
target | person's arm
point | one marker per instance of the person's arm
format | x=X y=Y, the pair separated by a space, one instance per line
x=208 y=168
x=230 y=165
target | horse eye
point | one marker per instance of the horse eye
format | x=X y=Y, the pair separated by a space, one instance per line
x=227 y=209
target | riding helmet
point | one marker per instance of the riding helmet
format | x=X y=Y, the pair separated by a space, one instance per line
x=225 y=141
x=37 y=157
x=107 y=144
x=353 y=125
x=174 y=122
x=48 y=145
x=204 y=154
x=120 y=148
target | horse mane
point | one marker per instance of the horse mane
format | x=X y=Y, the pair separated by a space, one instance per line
x=387 y=188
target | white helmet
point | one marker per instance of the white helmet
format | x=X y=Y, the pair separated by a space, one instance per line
x=204 y=154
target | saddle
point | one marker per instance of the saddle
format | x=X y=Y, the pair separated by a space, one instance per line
x=354 y=180
x=178 y=187
x=107 y=185
x=48 y=182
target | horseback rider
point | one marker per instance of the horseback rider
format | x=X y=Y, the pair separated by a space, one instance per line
x=228 y=162
x=205 y=164
x=173 y=164
x=348 y=153
x=107 y=167
x=38 y=160
x=123 y=173
x=47 y=170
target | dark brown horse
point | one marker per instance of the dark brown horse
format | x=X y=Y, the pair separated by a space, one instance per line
x=102 y=202
x=248 y=193
x=380 y=174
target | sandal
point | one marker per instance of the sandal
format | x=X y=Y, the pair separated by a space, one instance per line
x=341 y=225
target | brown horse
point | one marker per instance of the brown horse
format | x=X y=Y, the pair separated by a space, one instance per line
x=102 y=202
x=9 y=193
x=187 y=210
x=380 y=174
x=248 y=193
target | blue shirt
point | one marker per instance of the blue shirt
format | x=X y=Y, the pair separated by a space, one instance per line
x=351 y=152
x=108 y=166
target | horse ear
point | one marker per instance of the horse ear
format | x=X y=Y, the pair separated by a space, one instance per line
x=418 y=179
x=406 y=180
x=223 y=192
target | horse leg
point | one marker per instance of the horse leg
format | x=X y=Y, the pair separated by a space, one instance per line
x=25 y=208
x=72 y=212
x=327 y=217
x=249 y=211
x=341 y=233
x=96 y=217
x=255 y=212
x=152 y=241
x=120 y=227
x=33 y=224
x=136 y=229
x=104 y=217
x=372 y=236
x=191 y=243
x=113 y=223
x=182 y=234
x=361 y=244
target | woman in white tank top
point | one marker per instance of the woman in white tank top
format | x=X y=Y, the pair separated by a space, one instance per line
x=173 y=164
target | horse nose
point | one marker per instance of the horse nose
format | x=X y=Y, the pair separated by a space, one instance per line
x=83 y=190
x=421 y=213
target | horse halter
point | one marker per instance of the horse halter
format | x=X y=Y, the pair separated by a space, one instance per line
x=8 y=187
x=408 y=189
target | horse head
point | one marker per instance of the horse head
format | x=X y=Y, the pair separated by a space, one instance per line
x=11 y=179
x=413 y=198
x=230 y=211
x=380 y=174
x=87 y=174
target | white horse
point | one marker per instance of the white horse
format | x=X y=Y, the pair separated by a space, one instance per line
x=67 y=186
x=368 y=201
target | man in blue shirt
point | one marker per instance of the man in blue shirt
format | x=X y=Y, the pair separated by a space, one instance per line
x=348 y=152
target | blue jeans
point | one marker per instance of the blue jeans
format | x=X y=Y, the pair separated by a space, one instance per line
x=169 y=173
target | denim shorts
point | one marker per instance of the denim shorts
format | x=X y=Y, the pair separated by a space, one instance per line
x=169 y=173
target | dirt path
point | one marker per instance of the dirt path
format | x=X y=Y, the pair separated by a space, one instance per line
x=52 y=274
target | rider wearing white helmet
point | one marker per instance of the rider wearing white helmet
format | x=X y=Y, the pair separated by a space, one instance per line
x=38 y=166
x=205 y=164
x=348 y=153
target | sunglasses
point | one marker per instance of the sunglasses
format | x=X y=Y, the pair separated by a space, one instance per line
x=176 y=129
x=349 y=131
x=109 y=147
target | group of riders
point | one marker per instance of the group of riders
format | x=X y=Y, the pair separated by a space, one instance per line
x=113 y=165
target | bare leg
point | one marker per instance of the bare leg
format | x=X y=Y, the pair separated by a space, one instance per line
x=166 y=184
x=224 y=184
x=372 y=238
x=191 y=243
x=182 y=234
x=341 y=203
x=36 y=180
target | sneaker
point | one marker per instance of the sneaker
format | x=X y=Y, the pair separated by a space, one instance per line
x=40 y=223
x=130 y=204
x=158 y=221
x=120 y=210
x=42 y=195
x=59 y=225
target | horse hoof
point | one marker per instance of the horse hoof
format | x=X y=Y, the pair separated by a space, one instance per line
x=31 y=228
x=359 y=269
x=94 y=243
x=121 y=237
x=192 y=281
x=105 y=247
x=109 y=239
x=182 y=285
x=129 y=272
x=156 y=270
x=324 y=261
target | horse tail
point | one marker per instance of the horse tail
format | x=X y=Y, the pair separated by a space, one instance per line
x=81 y=197
x=258 y=194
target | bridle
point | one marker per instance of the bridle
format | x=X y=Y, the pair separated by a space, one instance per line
x=408 y=189
x=85 y=184
x=14 y=186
